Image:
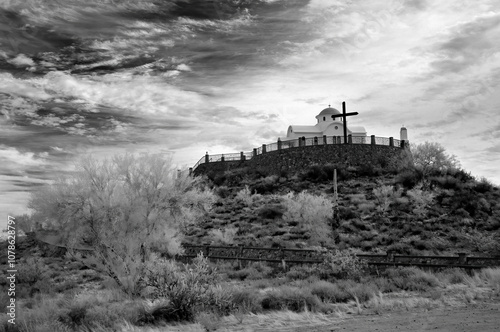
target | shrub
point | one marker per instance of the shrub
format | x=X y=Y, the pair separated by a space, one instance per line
x=328 y=292
x=385 y=195
x=346 y=213
x=187 y=288
x=266 y=185
x=312 y=212
x=409 y=178
x=270 y=212
x=290 y=298
x=30 y=271
x=253 y=272
x=358 y=291
x=341 y=265
x=247 y=300
x=369 y=169
x=411 y=278
x=222 y=191
x=301 y=272
x=420 y=199
x=245 y=196
x=483 y=185
x=224 y=236
x=491 y=276
x=452 y=276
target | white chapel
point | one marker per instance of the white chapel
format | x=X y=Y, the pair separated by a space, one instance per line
x=326 y=125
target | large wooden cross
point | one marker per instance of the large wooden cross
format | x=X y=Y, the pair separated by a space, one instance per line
x=344 y=116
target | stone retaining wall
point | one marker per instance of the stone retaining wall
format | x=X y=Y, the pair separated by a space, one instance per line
x=301 y=158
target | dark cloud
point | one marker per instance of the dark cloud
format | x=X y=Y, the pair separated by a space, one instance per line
x=467 y=45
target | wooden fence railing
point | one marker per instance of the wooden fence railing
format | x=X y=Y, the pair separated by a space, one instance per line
x=308 y=256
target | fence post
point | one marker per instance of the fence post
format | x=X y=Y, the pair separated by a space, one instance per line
x=240 y=255
x=254 y=152
x=324 y=140
x=372 y=139
x=206 y=157
x=242 y=156
x=279 y=143
x=403 y=144
x=349 y=139
x=190 y=171
x=282 y=256
x=300 y=141
x=263 y=148
x=222 y=158
x=391 y=141
x=315 y=140
x=462 y=258
x=303 y=141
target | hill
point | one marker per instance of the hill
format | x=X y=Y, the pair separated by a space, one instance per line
x=379 y=210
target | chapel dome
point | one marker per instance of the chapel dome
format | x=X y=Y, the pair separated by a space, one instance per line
x=329 y=111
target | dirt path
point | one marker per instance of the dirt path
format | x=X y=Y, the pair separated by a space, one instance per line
x=477 y=319
x=474 y=318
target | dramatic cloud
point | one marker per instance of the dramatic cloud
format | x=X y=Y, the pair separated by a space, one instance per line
x=186 y=77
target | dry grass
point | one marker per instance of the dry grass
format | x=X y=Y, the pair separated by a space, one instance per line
x=273 y=321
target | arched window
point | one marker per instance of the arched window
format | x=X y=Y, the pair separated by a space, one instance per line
x=324 y=118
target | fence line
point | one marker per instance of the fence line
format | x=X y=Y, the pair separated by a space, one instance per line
x=305 y=256
x=308 y=256
x=300 y=142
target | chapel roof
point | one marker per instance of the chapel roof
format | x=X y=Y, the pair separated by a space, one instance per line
x=329 y=111
x=305 y=129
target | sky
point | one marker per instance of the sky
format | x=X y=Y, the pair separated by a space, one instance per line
x=185 y=77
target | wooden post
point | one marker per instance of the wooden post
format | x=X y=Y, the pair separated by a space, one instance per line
x=279 y=143
x=240 y=255
x=325 y=141
x=335 y=194
x=391 y=141
x=222 y=158
x=254 y=152
x=462 y=258
x=282 y=256
x=372 y=139
x=263 y=148
x=315 y=140
x=335 y=212
x=206 y=157
x=349 y=139
x=242 y=156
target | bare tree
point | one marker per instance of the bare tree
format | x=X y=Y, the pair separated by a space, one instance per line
x=431 y=157
x=123 y=208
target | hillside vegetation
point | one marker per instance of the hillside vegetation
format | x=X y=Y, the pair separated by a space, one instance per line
x=134 y=213
x=431 y=207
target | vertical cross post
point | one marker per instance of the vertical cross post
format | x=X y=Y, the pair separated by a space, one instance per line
x=344 y=116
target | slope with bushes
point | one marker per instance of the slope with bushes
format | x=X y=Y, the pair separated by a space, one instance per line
x=410 y=211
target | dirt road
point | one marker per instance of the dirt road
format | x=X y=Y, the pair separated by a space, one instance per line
x=477 y=319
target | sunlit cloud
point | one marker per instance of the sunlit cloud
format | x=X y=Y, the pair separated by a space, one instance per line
x=186 y=77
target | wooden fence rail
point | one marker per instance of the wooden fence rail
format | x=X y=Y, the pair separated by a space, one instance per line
x=308 y=256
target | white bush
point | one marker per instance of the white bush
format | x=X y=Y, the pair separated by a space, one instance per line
x=314 y=214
